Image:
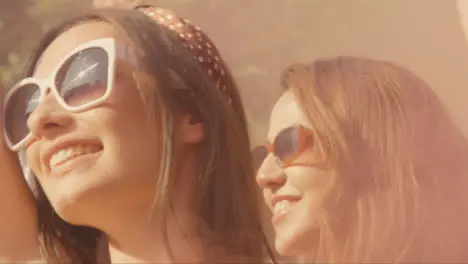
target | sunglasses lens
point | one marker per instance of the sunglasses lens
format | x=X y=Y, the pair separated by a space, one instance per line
x=259 y=154
x=17 y=110
x=287 y=144
x=82 y=79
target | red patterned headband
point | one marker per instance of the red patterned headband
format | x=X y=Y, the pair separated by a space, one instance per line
x=198 y=43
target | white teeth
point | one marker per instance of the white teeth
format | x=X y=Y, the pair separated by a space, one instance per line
x=282 y=207
x=71 y=152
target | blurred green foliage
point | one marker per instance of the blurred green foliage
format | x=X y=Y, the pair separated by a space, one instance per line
x=254 y=51
x=22 y=22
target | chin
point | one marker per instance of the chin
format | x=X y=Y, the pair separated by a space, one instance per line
x=72 y=208
x=286 y=246
x=68 y=214
x=296 y=240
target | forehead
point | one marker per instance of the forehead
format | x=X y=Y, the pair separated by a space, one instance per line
x=286 y=113
x=71 y=39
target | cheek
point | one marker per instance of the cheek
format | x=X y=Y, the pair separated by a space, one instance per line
x=267 y=197
x=124 y=114
x=315 y=207
x=129 y=125
x=127 y=113
x=126 y=134
x=130 y=139
x=33 y=158
x=314 y=184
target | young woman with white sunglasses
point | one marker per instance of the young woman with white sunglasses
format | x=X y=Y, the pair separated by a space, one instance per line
x=134 y=126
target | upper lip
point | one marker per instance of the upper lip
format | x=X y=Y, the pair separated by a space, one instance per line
x=63 y=144
x=280 y=197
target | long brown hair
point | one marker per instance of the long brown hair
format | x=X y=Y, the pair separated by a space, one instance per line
x=226 y=198
x=397 y=158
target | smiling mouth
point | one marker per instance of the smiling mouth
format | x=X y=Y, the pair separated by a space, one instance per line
x=72 y=152
x=281 y=208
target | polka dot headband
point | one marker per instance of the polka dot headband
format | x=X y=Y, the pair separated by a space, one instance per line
x=196 y=41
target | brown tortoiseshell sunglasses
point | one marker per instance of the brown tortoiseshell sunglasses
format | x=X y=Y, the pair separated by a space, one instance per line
x=287 y=146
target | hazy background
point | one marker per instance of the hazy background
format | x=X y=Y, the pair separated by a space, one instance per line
x=258 y=38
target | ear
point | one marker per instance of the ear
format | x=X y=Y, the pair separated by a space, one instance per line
x=191 y=129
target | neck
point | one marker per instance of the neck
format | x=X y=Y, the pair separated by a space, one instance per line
x=18 y=221
x=139 y=236
x=138 y=239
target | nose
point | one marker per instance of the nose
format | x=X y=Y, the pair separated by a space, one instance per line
x=270 y=175
x=49 y=118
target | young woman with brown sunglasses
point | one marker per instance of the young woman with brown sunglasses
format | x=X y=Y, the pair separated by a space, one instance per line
x=364 y=165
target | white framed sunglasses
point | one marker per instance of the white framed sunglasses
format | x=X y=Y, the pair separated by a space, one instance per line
x=83 y=79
